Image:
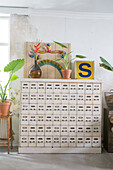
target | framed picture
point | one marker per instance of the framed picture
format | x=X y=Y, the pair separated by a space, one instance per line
x=84 y=69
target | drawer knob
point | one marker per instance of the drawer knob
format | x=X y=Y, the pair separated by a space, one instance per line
x=111 y=120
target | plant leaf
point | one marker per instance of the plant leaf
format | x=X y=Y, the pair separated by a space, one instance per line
x=80 y=56
x=106 y=67
x=14 y=65
x=62 y=45
x=9 y=88
x=65 y=57
x=106 y=62
x=12 y=98
x=14 y=77
x=59 y=59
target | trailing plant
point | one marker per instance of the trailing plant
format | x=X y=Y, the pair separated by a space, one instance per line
x=65 y=56
x=12 y=67
x=105 y=64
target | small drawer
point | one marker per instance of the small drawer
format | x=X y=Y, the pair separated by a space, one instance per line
x=80 y=142
x=65 y=88
x=56 y=119
x=33 y=87
x=96 y=141
x=96 y=88
x=33 y=98
x=88 y=99
x=72 y=109
x=72 y=99
x=80 y=109
x=48 y=119
x=73 y=88
x=33 y=109
x=88 y=109
x=40 y=141
x=88 y=142
x=25 y=87
x=41 y=87
x=24 y=130
x=25 y=97
x=56 y=141
x=65 y=98
x=56 y=130
x=32 y=141
x=25 y=108
x=72 y=120
x=49 y=98
x=89 y=88
x=32 y=119
x=64 y=142
x=80 y=99
x=40 y=130
x=41 y=109
x=64 y=120
x=41 y=98
x=96 y=99
x=57 y=98
x=23 y=141
x=56 y=109
x=96 y=110
x=57 y=87
x=32 y=130
x=80 y=120
x=48 y=130
x=64 y=109
x=72 y=142
x=80 y=130
x=81 y=88
x=88 y=131
x=24 y=120
x=40 y=120
x=49 y=109
x=88 y=120
x=48 y=141
x=96 y=131
x=64 y=130
x=72 y=131
x=49 y=87
x=96 y=120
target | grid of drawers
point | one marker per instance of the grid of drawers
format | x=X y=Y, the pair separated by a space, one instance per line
x=60 y=115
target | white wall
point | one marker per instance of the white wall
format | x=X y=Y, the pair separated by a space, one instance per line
x=89 y=35
x=92 y=37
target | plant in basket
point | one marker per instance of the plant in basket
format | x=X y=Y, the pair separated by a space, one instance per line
x=66 y=72
x=12 y=67
x=108 y=95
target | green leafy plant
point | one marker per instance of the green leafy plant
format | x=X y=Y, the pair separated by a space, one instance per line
x=105 y=64
x=64 y=58
x=12 y=67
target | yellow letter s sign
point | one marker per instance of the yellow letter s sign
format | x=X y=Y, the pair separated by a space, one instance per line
x=84 y=69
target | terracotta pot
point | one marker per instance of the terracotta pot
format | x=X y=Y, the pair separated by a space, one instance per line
x=66 y=74
x=4 y=108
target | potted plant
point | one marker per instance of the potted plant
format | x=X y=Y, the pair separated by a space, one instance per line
x=12 y=67
x=66 y=72
x=108 y=95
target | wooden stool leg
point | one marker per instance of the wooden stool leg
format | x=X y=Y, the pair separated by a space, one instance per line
x=11 y=132
x=8 y=133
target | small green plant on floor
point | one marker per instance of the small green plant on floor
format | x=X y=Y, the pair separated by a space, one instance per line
x=12 y=67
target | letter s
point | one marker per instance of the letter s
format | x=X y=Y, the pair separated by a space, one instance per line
x=86 y=70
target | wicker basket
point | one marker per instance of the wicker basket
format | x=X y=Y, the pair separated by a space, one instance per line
x=109 y=99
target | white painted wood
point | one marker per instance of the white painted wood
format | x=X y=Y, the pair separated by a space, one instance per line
x=66 y=121
x=58 y=150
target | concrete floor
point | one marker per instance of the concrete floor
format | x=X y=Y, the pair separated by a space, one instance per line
x=15 y=161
